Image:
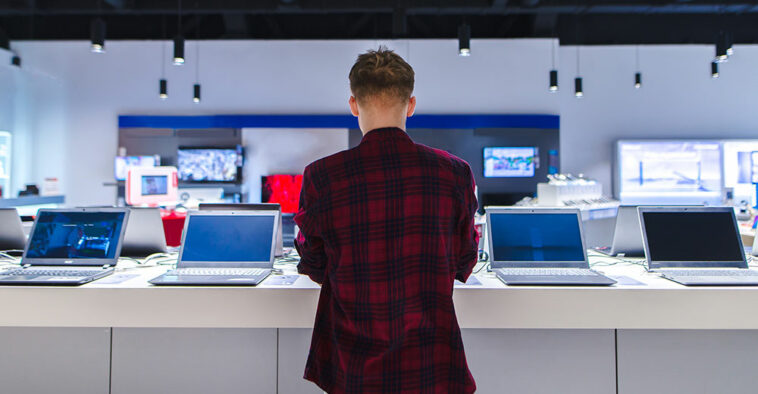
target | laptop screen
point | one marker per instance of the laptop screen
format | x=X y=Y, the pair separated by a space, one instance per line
x=536 y=237
x=693 y=236
x=228 y=238
x=76 y=235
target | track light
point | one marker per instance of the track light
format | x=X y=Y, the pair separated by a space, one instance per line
x=178 y=50
x=637 y=80
x=16 y=61
x=196 y=97
x=97 y=35
x=553 y=81
x=578 y=92
x=714 y=70
x=729 y=44
x=464 y=40
x=721 y=48
x=163 y=89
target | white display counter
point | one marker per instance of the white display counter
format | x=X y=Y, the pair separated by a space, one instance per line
x=245 y=339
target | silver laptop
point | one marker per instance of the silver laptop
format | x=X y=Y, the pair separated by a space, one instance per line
x=144 y=233
x=12 y=237
x=228 y=248
x=540 y=246
x=252 y=207
x=70 y=247
x=696 y=246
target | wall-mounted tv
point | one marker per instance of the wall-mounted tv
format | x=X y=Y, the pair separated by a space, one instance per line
x=509 y=162
x=200 y=164
x=122 y=163
x=282 y=189
x=669 y=172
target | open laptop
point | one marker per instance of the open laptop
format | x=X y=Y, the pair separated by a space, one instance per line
x=12 y=237
x=70 y=247
x=144 y=233
x=540 y=246
x=228 y=248
x=252 y=207
x=696 y=246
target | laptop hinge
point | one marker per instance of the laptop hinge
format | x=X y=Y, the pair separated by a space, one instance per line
x=26 y=265
x=106 y=266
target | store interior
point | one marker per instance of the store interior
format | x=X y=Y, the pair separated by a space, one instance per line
x=566 y=117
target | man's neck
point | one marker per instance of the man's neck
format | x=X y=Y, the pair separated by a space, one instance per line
x=382 y=125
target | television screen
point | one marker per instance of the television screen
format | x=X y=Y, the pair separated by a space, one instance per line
x=153 y=185
x=209 y=164
x=754 y=160
x=282 y=189
x=509 y=162
x=669 y=172
x=737 y=163
x=122 y=163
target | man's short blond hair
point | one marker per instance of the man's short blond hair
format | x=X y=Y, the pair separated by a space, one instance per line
x=381 y=74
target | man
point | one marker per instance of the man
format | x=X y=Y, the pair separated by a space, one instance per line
x=385 y=228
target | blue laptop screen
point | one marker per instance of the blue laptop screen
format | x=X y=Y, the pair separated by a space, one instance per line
x=76 y=235
x=535 y=237
x=228 y=238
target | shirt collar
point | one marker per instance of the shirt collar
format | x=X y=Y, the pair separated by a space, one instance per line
x=385 y=133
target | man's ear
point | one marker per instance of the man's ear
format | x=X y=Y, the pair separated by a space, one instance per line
x=411 y=106
x=353 y=106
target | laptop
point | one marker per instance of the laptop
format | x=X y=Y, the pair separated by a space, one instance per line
x=696 y=246
x=12 y=237
x=627 y=236
x=540 y=246
x=144 y=233
x=224 y=248
x=252 y=207
x=70 y=247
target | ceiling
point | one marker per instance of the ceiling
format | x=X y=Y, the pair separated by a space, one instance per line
x=591 y=22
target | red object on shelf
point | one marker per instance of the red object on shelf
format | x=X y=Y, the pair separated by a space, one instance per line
x=282 y=189
x=173 y=224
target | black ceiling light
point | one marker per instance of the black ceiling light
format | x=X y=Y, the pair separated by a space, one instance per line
x=179 y=40
x=163 y=84
x=714 y=70
x=163 y=89
x=578 y=90
x=729 y=44
x=553 y=72
x=638 y=74
x=721 y=48
x=196 y=91
x=464 y=40
x=16 y=60
x=553 y=81
x=97 y=35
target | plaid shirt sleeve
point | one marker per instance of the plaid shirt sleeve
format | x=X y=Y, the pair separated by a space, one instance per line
x=469 y=252
x=309 y=244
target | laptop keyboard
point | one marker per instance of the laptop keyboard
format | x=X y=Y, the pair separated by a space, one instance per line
x=218 y=271
x=707 y=272
x=546 y=272
x=49 y=272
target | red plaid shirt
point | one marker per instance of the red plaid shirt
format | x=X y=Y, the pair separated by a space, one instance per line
x=385 y=228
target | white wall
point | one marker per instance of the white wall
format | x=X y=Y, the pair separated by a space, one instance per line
x=285 y=151
x=678 y=98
